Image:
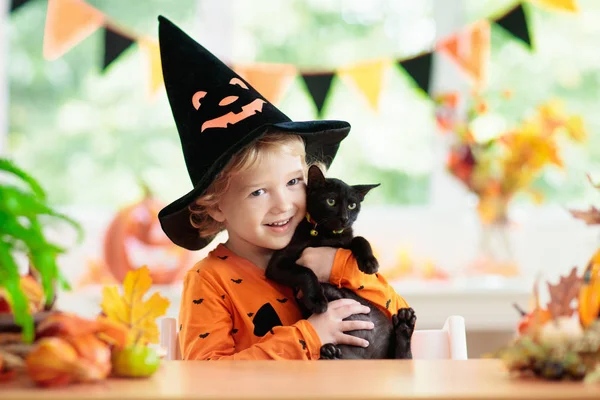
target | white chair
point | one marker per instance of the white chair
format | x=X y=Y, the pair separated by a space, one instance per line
x=450 y=342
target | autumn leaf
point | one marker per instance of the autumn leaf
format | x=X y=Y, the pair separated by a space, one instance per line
x=590 y=217
x=594 y=185
x=131 y=309
x=563 y=293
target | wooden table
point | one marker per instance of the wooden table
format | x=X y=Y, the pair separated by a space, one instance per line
x=420 y=379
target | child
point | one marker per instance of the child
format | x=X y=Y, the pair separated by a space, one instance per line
x=247 y=162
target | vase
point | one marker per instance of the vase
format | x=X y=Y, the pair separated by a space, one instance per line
x=495 y=255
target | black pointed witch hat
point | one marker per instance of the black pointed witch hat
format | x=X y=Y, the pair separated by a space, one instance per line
x=218 y=113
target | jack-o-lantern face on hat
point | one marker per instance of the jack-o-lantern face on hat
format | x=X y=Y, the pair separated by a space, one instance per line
x=217 y=114
x=228 y=107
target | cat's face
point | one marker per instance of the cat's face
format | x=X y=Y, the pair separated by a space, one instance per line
x=332 y=203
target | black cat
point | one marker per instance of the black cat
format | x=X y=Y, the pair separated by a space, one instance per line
x=332 y=207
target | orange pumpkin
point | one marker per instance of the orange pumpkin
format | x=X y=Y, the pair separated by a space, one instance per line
x=535 y=319
x=589 y=294
x=134 y=238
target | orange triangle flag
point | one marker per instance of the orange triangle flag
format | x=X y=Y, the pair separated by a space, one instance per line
x=470 y=49
x=152 y=53
x=68 y=22
x=368 y=78
x=562 y=5
x=270 y=80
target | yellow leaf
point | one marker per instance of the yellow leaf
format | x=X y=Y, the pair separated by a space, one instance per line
x=131 y=309
x=114 y=306
x=576 y=128
x=536 y=195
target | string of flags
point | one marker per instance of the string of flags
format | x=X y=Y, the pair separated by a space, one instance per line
x=69 y=22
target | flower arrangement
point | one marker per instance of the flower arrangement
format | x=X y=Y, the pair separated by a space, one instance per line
x=562 y=340
x=497 y=164
x=497 y=168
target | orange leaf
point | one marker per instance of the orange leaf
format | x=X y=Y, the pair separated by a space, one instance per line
x=112 y=332
x=65 y=324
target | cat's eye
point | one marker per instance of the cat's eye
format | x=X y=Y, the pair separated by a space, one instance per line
x=351 y=206
x=331 y=202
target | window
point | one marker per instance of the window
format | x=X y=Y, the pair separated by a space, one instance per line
x=90 y=136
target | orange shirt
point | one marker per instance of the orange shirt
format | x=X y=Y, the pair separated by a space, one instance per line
x=229 y=310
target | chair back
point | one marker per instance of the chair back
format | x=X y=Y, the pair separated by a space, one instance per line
x=450 y=342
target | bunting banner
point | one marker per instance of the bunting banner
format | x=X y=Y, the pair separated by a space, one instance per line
x=151 y=52
x=367 y=77
x=270 y=80
x=318 y=86
x=69 y=22
x=470 y=49
x=558 y=5
x=515 y=23
x=115 y=43
x=14 y=4
x=419 y=68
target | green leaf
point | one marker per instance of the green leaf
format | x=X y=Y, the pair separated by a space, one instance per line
x=32 y=237
x=63 y=281
x=44 y=261
x=10 y=167
x=11 y=281
x=22 y=231
x=18 y=203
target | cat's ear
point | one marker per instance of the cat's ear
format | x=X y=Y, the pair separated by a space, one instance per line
x=362 y=190
x=315 y=176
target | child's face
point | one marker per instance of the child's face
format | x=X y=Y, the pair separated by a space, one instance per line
x=264 y=205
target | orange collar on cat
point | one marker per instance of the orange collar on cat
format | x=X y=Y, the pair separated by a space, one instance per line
x=313 y=231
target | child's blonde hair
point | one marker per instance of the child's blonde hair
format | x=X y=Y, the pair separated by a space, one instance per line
x=242 y=161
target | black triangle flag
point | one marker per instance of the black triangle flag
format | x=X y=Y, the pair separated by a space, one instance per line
x=318 y=86
x=14 y=4
x=515 y=23
x=114 y=44
x=419 y=68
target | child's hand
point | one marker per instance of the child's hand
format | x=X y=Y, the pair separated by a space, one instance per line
x=319 y=260
x=330 y=325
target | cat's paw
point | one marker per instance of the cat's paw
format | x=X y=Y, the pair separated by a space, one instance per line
x=315 y=304
x=404 y=323
x=368 y=265
x=330 y=351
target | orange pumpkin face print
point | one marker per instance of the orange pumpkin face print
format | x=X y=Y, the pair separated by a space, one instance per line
x=227 y=111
